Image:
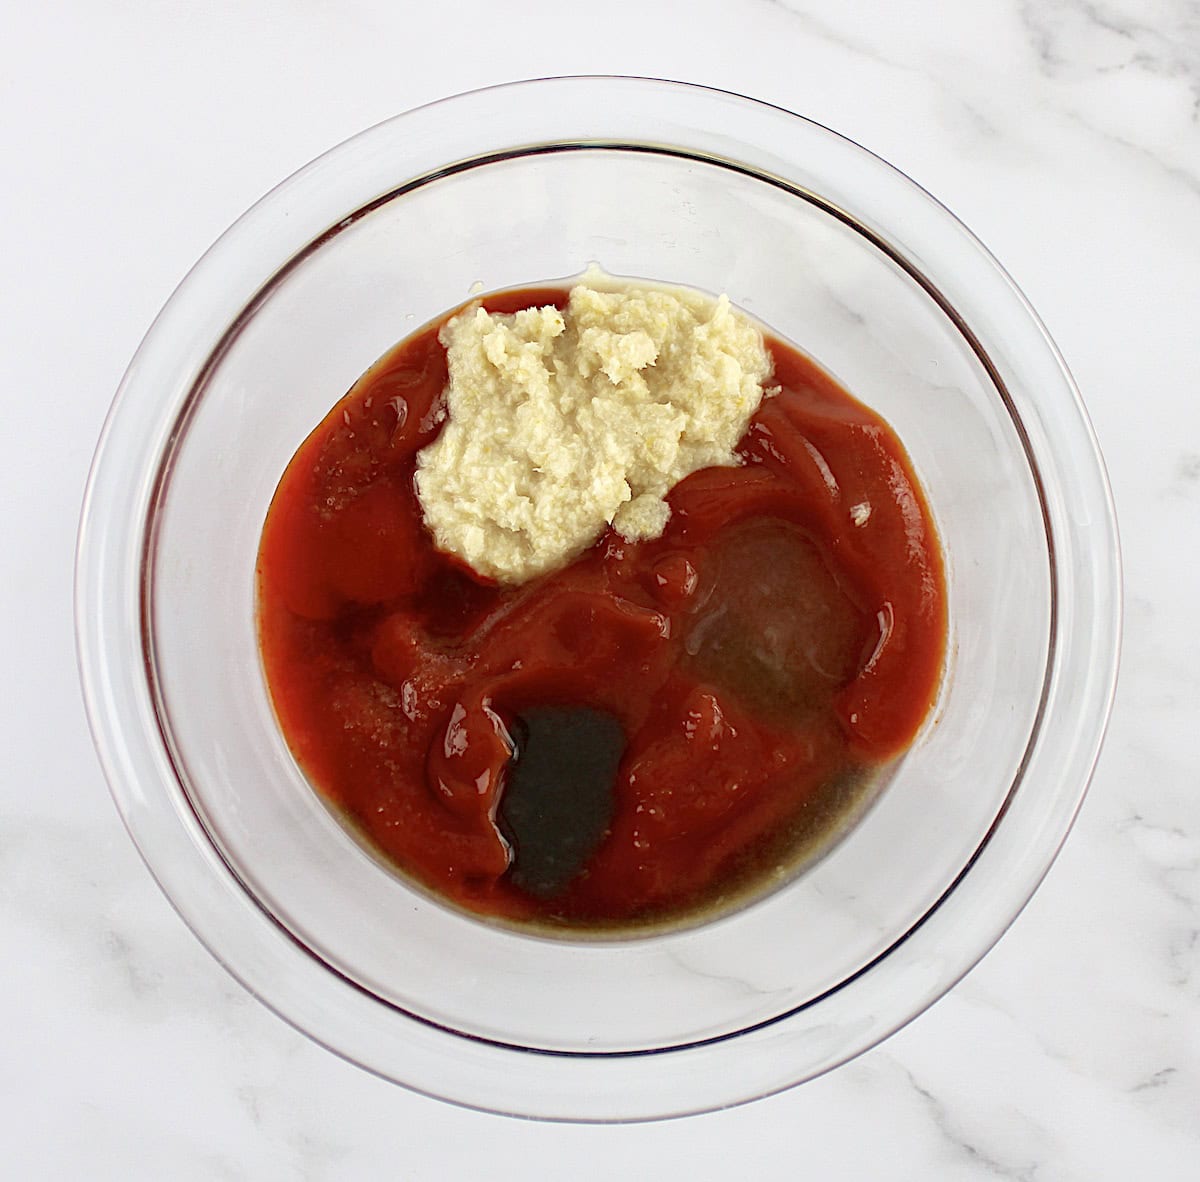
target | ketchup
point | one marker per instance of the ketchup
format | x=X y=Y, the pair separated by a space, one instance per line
x=641 y=735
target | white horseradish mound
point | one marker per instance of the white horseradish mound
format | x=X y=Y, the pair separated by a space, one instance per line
x=561 y=423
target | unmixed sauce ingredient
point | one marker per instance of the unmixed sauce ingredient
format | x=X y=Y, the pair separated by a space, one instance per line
x=647 y=734
x=553 y=832
x=563 y=422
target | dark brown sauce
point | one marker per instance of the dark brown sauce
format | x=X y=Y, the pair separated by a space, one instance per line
x=552 y=833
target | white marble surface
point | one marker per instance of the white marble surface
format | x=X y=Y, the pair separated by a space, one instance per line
x=1065 y=132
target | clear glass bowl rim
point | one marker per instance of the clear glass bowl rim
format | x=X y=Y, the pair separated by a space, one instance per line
x=260 y=952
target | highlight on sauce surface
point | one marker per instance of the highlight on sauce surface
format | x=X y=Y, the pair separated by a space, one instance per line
x=658 y=729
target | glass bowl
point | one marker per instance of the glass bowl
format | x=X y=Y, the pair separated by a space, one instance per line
x=835 y=251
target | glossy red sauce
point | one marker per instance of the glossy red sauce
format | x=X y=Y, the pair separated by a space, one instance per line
x=762 y=654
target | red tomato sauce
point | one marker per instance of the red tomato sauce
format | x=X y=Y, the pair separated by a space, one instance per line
x=726 y=681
